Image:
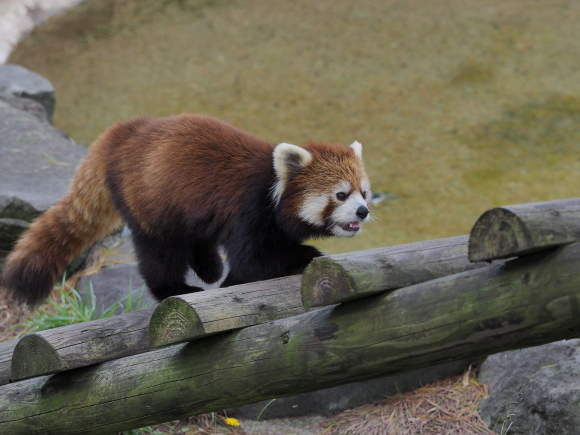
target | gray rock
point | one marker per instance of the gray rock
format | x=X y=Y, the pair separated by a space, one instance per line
x=539 y=385
x=114 y=284
x=10 y=229
x=331 y=401
x=16 y=208
x=26 y=105
x=37 y=161
x=20 y=82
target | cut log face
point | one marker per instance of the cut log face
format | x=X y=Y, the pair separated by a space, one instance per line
x=517 y=230
x=340 y=278
x=195 y=315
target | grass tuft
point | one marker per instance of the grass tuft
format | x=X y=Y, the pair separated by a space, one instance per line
x=67 y=307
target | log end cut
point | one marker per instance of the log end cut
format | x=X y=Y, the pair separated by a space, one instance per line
x=498 y=233
x=174 y=321
x=326 y=282
x=34 y=356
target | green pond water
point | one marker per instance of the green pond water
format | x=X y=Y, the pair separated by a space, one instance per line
x=460 y=106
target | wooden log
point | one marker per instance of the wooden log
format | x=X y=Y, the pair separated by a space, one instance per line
x=524 y=302
x=339 y=278
x=516 y=230
x=6 y=350
x=82 y=344
x=195 y=315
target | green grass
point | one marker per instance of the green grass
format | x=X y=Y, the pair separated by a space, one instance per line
x=507 y=422
x=70 y=307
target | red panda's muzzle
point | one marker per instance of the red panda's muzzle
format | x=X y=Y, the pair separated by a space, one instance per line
x=350 y=226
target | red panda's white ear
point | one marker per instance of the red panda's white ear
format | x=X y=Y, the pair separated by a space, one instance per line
x=357 y=148
x=288 y=161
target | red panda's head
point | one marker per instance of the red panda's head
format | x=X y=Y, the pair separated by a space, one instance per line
x=323 y=185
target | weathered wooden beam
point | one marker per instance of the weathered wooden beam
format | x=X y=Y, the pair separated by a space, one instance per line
x=195 y=315
x=339 y=278
x=6 y=350
x=523 y=302
x=82 y=344
x=516 y=230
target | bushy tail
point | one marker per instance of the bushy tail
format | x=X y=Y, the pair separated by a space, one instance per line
x=82 y=217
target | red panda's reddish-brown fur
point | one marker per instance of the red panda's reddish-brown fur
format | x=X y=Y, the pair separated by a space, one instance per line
x=187 y=185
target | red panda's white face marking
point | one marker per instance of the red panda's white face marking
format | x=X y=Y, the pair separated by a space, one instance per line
x=312 y=208
x=351 y=209
x=326 y=184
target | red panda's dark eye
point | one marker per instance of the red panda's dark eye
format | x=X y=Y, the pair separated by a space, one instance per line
x=364 y=194
x=341 y=196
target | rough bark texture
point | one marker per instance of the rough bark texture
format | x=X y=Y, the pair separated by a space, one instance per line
x=523 y=302
x=191 y=316
x=79 y=345
x=516 y=230
x=339 y=278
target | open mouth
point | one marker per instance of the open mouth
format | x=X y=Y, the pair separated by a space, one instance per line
x=350 y=226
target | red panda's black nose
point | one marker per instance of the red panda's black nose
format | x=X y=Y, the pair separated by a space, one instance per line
x=362 y=212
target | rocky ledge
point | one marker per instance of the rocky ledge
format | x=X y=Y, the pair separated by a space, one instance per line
x=37 y=160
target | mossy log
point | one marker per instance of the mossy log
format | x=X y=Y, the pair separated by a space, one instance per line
x=339 y=278
x=516 y=230
x=6 y=351
x=195 y=315
x=523 y=302
x=68 y=347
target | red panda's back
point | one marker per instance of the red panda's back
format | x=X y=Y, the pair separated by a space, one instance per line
x=187 y=167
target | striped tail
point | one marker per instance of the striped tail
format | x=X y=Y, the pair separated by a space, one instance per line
x=79 y=219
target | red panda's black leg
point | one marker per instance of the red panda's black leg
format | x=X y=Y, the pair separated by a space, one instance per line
x=206 y=261
x=298 y=258
x=273 y=263
x=162 y=265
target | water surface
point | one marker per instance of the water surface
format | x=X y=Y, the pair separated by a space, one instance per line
x=460 y=106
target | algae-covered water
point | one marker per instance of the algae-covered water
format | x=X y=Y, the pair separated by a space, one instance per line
x=460 y=106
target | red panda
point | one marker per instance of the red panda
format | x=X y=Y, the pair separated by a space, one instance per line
x=187 y=185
